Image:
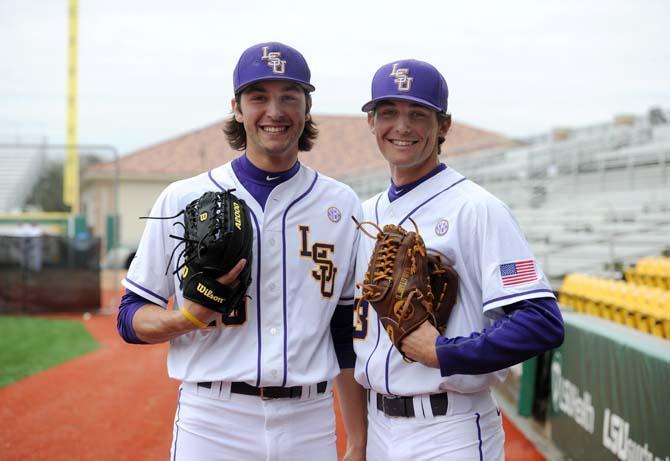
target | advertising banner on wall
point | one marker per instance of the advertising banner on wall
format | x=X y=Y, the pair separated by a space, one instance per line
x=610 y=392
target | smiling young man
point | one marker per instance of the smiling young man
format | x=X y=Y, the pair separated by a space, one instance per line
x=258 y=385
x=441 y=407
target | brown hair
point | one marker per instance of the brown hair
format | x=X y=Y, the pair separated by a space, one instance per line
x=237 y=136
x=441 y=118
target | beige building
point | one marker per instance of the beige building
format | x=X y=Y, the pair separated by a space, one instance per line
x=345 y=150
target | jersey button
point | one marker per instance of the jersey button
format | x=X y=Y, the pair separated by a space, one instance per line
x=273 y=286
x=272 y=242
x=273 y=331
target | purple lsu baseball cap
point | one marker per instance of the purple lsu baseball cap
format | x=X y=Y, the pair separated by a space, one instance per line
x=271 y=61
x=410 y=80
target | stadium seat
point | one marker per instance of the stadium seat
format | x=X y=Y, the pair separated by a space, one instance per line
x=642 y=306
x=650 y=271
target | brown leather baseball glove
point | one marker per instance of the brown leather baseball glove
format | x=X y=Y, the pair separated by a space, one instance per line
x=404 y=284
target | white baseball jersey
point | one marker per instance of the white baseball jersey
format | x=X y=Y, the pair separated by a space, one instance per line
x=303 y=266
x=478 y=235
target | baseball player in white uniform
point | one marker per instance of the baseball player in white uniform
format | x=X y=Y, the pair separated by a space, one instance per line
x=258 y=386
x=441 y=407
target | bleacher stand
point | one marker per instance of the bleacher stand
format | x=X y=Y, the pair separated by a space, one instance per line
x=593 y=199
x=20 y=173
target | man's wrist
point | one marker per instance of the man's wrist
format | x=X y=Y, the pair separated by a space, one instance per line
x=442 y=358
x=195 y=321
x=180 y=322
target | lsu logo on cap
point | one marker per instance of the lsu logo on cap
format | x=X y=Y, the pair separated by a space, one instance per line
x=403 y=80
x=274 y=60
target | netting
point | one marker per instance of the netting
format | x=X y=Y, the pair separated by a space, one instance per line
x=49 y=274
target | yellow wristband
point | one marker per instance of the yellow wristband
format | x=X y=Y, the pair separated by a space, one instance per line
x=192 y=318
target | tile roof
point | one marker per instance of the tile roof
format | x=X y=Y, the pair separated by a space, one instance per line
x=344 y=147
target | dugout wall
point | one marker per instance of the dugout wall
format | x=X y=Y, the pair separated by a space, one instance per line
x=609 y=392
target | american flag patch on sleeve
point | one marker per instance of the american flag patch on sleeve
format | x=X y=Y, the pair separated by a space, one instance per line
x=518 y=272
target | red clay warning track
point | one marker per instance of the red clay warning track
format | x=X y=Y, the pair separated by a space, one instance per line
x=116 y=403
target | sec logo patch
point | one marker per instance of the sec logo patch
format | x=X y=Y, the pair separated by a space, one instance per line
x=441 y=227
x=334 y=214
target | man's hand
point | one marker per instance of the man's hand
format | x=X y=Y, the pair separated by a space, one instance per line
x=419 y=345
x=204 y=314
x=353 y=402
x=354 y=453
x=154 y=324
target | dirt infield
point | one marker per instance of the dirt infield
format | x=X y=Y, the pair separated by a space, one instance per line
x=116 y=403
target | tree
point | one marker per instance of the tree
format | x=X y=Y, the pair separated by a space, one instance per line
x=47 y=195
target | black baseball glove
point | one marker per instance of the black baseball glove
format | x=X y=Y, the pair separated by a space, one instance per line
x=217 y=234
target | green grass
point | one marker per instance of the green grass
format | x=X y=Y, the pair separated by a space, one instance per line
x=29 y=345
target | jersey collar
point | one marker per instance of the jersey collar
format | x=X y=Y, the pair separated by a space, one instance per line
x=396 y=192
x=246 y=170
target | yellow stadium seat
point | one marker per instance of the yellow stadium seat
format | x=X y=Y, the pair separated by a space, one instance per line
x=656 y=324
x=644 y=319
x=639 y=302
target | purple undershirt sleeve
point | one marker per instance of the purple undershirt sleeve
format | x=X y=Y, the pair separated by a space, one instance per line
x=130 y=303
x=342 y=330
x=528 y=328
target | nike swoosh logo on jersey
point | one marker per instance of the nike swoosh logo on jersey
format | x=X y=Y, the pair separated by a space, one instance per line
x=271 y=178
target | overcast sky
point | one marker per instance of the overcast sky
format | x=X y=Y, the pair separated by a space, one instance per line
x=153 y=69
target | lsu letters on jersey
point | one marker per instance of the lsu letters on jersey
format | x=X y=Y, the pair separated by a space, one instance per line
x=302 y=268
